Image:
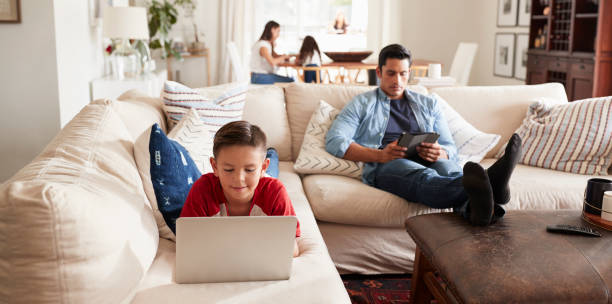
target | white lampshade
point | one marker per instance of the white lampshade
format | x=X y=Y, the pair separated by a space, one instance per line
x=125 y=22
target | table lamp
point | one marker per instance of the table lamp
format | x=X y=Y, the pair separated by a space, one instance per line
x=125 y=23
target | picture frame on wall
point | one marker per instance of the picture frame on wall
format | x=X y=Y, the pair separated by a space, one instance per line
x=506 y=12
x=9 y=11
x=524 y=12
x=504 y=55
x=520 y=56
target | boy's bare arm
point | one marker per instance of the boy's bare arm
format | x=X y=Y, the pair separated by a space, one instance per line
x=296 y=249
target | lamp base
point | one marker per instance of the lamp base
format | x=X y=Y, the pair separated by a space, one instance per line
x=125 y=61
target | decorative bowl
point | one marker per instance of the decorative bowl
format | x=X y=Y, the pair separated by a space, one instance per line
x=348 y=56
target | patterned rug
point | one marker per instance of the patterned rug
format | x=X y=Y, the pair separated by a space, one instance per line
x=378 y=289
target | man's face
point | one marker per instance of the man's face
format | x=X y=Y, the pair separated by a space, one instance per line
x=394 y=77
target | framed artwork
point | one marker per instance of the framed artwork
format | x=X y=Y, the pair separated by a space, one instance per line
x=504 y=55
x=506 y=12
x=524 y=12
x=9 y=11
x=520 y=56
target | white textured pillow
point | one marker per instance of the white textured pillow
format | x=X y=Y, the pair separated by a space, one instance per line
x=472 y=144
x=197 y=138
x=313 y=158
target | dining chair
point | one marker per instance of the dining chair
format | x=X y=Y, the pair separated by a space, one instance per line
x=462 y=63
x=238 y=73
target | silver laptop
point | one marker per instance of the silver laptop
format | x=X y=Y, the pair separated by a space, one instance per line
x=234 y=248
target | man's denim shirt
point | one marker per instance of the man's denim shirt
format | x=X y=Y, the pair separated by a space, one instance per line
x=364 y=121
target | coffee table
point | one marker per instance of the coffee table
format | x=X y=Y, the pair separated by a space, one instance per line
x=512 y=261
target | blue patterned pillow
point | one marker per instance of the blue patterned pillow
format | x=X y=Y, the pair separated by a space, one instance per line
x=173 y=172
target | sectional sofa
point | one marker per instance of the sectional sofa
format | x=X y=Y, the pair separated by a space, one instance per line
x=76 y=226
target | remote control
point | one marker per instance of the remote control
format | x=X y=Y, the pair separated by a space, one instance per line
x=569 y=229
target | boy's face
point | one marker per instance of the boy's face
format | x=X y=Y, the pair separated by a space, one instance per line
x=239 y=169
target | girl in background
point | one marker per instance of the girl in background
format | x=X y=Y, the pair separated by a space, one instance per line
x=310 y=55
x=264 y=59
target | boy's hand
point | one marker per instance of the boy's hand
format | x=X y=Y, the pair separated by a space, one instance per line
x=391 y=152
x=296 y=249
x=431 y=152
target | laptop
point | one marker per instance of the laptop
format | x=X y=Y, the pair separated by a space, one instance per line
x=234 y=248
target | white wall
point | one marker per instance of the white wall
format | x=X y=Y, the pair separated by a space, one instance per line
x=47 y=62
x=193 y=70
x=28 y=82
x=79 y=56
x=432 y=29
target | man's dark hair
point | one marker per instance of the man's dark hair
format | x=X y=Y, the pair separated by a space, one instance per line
x=239 y=133
x=396 y=51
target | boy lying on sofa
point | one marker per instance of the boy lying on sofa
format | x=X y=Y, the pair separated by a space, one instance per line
x=367 y=130
x=237 y=186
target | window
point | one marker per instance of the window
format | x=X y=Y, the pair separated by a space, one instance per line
x=315 y=17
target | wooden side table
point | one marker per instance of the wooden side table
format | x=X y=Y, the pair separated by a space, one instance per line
x=513 y=261
x=187 y=56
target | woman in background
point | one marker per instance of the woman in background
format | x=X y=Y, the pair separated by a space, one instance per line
x=264 y=59
x=310 y=55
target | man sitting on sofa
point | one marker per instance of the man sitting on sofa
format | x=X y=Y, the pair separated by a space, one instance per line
x=367 y=130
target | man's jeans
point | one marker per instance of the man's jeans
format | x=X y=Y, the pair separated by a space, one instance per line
x=437 y=186
x=259 y=78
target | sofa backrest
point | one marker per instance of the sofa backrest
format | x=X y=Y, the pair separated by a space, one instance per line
x=303 y=99
x=75 y=224
x=265 y=107
x=498 y=109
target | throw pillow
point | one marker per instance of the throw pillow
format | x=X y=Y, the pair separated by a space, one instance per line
x=197 y=138
x=573 y=137
x=313 y=158
x=167 y=172
x=472 y=144
x=216 y=105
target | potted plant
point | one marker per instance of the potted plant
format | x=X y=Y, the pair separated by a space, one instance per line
x=162 y=16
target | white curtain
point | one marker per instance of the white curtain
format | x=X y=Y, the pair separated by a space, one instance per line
x=235 y=25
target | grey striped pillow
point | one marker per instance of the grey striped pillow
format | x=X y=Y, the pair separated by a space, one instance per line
x=574 y=137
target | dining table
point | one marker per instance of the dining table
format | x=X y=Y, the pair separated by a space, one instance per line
x=418 y=69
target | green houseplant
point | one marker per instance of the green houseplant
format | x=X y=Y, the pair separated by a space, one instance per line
x=162 y=16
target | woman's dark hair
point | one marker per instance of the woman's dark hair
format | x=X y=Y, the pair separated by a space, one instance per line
x=396 y=51
x=267 y=32
x=308 y=47
x=239 y=133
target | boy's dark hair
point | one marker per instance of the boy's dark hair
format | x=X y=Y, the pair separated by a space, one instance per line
x=396 y=51
x=309 y=46
x=239 y=133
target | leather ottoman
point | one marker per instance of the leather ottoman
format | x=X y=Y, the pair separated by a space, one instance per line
x=512 y=261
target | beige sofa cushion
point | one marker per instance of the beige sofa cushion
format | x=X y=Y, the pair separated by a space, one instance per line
x=538 y=188
x=139 y=112
x=75 y=224
x=314 y=278
x=508 y=104
x=303 y=99
x=345 y=200
x=265 y=107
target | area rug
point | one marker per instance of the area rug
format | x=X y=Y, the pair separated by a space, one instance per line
x=378 y=289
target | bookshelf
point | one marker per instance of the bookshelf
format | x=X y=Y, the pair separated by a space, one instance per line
x=570 y=41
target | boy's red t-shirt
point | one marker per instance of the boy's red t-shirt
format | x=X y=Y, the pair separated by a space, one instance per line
x=206 y=198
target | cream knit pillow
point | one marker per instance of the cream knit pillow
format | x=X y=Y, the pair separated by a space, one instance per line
x=313 y=157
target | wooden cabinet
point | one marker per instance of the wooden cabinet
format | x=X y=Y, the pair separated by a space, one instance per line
x=570 y=42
